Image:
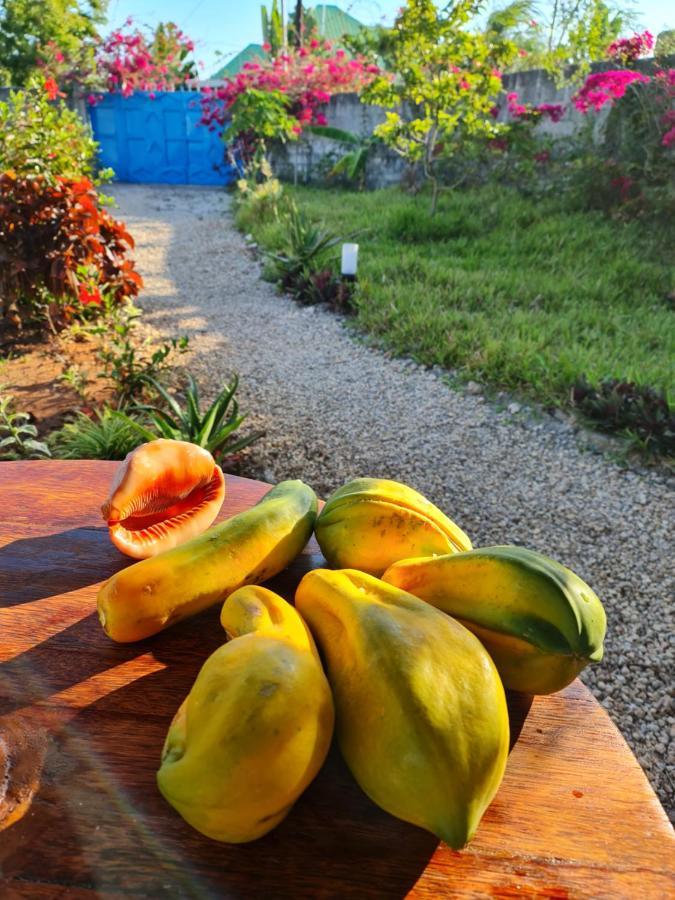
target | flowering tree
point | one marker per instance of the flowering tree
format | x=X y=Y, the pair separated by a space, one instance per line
x=446 y=78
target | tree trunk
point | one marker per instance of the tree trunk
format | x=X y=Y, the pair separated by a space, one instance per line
x=435 y=191
x=299 y=22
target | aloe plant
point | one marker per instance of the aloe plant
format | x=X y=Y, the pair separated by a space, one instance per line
x=212 y=429
x=18 y=437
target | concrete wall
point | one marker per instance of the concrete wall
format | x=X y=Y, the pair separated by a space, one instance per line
x=310 y=158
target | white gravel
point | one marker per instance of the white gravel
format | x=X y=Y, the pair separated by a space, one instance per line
x=334 y=408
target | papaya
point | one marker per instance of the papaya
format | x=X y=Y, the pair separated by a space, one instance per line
x=370 y=523
x=256 y=726
x=540 y=623
x=248 y=548
x=421 y=715
x=164 y=493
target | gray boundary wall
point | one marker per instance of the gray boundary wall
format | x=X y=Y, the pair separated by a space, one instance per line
x=309 y=158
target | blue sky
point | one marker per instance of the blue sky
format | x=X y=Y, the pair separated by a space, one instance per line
x=228 y=25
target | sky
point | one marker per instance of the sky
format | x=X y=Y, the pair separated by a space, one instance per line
x=221 y=28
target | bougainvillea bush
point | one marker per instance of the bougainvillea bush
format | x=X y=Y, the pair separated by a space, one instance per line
x=634 y=165
x=127 y=60
x=308 y=76
x=60 y=250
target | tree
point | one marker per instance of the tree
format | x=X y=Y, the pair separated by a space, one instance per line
x=560 y=34
x=445 y=82
x=272 y=27
x=27 y=24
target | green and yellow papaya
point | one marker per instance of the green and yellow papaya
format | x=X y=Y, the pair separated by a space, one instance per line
x=421 y=716
x=539 y=621
x=370 y=523
x=256 y=726
x=248 y=548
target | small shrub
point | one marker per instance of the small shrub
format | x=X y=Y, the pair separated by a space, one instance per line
x=39 y=136
x=640 y=412
x=305 y=249
x=108 y=434
x=18 y=436
x=214 y=428
x=127 y=363
x=328 y=288
x=58 y=243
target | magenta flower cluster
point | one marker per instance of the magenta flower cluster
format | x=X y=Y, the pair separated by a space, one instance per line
x=308 y=76
x=552 y=111
x=605 y=87
x=627 y=50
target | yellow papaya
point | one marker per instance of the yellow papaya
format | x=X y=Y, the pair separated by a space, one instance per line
x=421 y=716
x=256 y=726
x=539 y=621
x=248 y=548
x=370 y=523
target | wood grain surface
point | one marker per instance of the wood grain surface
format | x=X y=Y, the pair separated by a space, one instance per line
x=82 y=722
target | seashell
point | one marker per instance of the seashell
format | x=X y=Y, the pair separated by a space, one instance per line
x=164 y=493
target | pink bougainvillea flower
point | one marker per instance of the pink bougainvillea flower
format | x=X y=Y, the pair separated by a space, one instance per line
x=669 y=137
x=627 y=50
x=605 y=87
x=554 y=111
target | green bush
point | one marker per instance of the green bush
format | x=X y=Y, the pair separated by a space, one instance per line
x=43 y=137
x=18 y=436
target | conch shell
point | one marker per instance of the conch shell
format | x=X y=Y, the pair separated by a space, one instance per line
x=164 y=493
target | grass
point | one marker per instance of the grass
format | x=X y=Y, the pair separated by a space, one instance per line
x=516 y=292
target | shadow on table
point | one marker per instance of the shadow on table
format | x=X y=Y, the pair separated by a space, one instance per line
x=58 y=564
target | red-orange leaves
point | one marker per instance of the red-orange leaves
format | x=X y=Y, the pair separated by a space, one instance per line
x=55 y=235
x=164 y=493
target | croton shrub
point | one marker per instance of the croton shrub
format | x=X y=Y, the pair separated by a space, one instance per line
x=60 y=250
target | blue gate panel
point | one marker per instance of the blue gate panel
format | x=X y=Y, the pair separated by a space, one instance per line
x=158 y=140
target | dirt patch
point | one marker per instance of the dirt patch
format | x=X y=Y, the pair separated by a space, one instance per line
x=32 y=369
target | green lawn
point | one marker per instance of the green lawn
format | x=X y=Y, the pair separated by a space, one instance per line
x=515 y=292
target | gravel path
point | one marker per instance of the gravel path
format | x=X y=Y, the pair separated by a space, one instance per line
x=333 y=408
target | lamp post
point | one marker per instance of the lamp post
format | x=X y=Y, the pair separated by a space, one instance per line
x=350 y=261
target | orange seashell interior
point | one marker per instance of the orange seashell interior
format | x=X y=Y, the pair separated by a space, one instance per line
x=164 y=493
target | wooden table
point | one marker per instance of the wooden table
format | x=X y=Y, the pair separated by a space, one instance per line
x=82 y=722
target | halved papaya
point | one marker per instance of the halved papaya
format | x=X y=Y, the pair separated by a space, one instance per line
x=164 y=493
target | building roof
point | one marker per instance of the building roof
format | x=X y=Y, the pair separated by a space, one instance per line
x=248 y=54
x=333 y=24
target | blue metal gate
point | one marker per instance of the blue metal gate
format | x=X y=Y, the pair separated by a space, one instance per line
x=159 y=140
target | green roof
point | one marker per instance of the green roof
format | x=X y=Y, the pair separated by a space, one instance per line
x=248 y=54
x=333 y=24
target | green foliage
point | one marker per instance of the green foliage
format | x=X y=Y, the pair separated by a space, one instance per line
x=18 y=437
x=352 y=165
x=305 y=249
x=665 y=44
x=27 y=24
x=272 y=27
x=109 y=434
x=559 y=35
x=212 y=429
x=262 y=113
x=129 y=364
x=639 y=412
x=39 y=137
x=522 y=293
x=445 y=77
